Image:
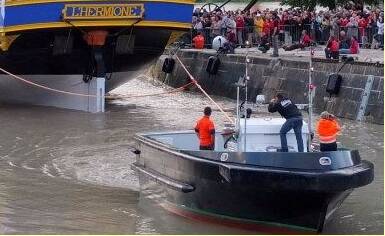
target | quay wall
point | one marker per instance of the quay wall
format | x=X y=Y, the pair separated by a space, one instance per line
x=268 y=75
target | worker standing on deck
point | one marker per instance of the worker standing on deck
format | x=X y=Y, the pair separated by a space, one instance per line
x=205 y=131
x=327 y=129
x=293 y=116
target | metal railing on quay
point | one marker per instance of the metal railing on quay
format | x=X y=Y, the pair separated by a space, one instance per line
x=291 y=34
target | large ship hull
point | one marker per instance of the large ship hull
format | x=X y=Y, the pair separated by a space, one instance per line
x=51 y=43
x=33 y=53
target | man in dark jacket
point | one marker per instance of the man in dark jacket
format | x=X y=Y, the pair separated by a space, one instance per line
x=293 y=116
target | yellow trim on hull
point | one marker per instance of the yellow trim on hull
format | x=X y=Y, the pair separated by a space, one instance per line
x=31 y=2
x=163 y=24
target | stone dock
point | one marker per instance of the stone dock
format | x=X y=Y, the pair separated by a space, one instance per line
x=362 y=86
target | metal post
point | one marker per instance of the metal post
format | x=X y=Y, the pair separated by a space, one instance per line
x=237 y=107
x=245 y=107
x=238 y=121
x=310 y=90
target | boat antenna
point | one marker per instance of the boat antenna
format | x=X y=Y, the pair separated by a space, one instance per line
x=310 y=96
x=245 y=103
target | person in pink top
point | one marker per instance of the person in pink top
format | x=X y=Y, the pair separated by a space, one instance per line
x=354 y=47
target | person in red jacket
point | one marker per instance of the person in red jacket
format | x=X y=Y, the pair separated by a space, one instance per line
x=362 y=26
x=304 y=42
x=327 y=129
x=343 y=22
x=332 y=48
x=199 y=41
x=240 y=24
x=354 y=47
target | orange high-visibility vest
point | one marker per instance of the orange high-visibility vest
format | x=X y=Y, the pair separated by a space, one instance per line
x=205 y=129
x=96 y=37
x=327 y=130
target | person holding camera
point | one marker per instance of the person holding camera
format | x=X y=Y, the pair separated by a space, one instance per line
x=293 y=116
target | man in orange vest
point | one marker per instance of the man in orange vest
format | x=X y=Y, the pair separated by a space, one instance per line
x=199 y=41
x=205 y=131
x=327 y=129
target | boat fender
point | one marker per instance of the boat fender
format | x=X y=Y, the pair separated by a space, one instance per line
x=168 y=65
x=334 y=84
x=213 y=65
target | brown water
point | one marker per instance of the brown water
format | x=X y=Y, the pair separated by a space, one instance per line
x=68 y=172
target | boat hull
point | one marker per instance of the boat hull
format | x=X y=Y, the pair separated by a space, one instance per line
x=35 y=53
x=269 y=199
x=13 y=91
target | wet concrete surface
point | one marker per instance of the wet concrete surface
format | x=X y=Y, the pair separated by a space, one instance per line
x=68 y=172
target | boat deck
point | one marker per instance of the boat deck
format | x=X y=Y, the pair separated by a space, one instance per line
x=188 y=140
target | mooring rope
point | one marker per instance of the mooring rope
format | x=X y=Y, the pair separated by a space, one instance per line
x=92 y=95
x=45 y=87
x=203 y=91
x=194 y=81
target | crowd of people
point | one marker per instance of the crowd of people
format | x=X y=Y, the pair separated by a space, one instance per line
x=294 y=28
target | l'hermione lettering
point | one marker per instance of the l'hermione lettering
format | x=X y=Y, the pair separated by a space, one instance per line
x=87 y=11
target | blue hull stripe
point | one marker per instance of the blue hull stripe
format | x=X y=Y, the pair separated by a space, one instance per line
x=51 y=12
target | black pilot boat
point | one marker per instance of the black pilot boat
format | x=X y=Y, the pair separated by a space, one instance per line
x=255 y=187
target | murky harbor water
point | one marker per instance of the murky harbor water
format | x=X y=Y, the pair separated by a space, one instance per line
x=68 y=172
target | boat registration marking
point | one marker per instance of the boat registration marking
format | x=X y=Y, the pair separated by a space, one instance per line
x=325 y=161
x=224 y=156
x=103 y=11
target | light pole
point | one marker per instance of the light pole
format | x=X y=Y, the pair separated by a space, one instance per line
x=246 y=80
x=310 y=94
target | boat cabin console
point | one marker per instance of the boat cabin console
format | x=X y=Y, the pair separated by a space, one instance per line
x=262 y=135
